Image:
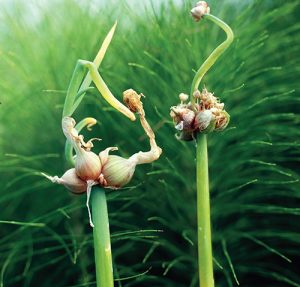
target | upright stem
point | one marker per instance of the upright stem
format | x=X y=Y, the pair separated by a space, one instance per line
x=203 y=209
x=103 y=258
x=203 y=206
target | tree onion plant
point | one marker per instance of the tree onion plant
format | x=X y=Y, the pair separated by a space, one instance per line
x=203 y=114
x=91 y=173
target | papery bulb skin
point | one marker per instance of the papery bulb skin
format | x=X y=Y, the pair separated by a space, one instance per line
x=183 y=118
x=87 y=165
x=117 y=171
x=70 y=180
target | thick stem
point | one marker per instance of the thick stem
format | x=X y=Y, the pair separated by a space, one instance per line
x=103 y=258
x=203 y=209
x=214 y=55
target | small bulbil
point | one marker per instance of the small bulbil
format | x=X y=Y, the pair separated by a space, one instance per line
x=183 y=97
x=199 y=10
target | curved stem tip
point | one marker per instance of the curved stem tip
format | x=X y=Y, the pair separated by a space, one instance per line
x=213 y=57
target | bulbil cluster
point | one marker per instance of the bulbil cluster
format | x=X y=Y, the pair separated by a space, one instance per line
x=206 y=115
x=108 y=171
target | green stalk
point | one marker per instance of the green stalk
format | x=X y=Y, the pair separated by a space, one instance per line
x=203 y=213
x=205 y=258
x=103 y=258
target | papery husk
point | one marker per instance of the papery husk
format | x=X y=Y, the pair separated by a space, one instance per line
x=71 y=181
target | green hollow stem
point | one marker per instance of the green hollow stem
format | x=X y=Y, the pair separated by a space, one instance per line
x=102 y=247
x=213 y=56
x=205 y=258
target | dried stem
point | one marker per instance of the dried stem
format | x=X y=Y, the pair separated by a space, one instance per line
x=133 y=101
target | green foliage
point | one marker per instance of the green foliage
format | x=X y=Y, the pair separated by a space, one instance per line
x=45 y=239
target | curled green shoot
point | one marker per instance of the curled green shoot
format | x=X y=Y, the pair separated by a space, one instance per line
x=104 y=90
x=79 y=85
x=213 y=57
x=99 y=57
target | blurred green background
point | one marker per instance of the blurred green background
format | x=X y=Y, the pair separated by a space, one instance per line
x=254 y=164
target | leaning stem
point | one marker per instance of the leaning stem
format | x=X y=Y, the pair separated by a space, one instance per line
x=103 y=258
x=213 y=56
x=203 y=212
